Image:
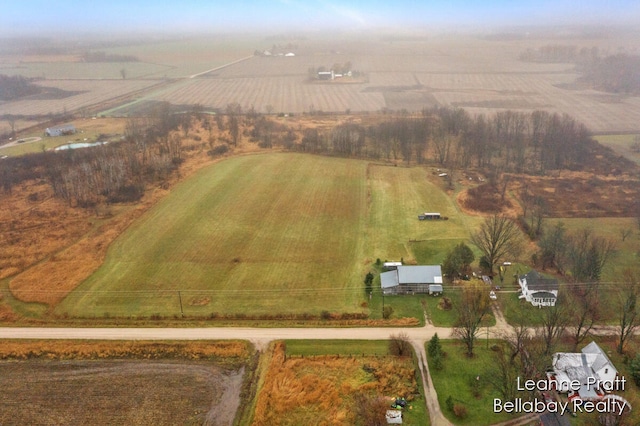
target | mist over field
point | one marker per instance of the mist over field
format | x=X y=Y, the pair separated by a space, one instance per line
x=115 y=17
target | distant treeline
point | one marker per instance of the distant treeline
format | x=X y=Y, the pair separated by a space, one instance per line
x=15 y=87
x=557 y=53
x=616 y=73
x=511 y=141
x=100 y=56
x=619 y=73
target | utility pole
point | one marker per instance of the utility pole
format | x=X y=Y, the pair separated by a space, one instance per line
x=180 y=298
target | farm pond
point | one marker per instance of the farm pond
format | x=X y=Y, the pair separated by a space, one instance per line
x=102 y=392
x=77 y=145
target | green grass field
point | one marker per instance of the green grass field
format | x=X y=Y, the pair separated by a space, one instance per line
x=458 y=378
x=256 y=234
x=622 y=144
x=267 y=235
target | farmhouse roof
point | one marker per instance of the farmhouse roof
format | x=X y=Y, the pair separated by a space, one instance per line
x=543 y=294
x=536 y=282
x=581 y=366
x=420 y=274
x=389 y=279
x=575 y=366
x=62 y=127
x=601 y=359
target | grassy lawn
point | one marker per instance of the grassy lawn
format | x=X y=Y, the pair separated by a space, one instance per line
x=337 y=347
x=621 y=144
x=398 y=195
x=262 y=234
x=458 y=375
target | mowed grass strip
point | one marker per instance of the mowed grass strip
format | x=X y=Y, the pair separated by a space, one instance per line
x=397 y=196
x=262 y=234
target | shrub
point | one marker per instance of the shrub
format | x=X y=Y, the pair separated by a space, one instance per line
x=445 y=304
x=460 y=411
x=399 y=344
x=449 y=403
x=387 y=312
x=218 y=150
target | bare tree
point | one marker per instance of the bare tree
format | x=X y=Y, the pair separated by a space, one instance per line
x=498 y=237
x=399 y=344
x=553 y=248
x=555 y=320
x=11 y=120
x=628 y=308
x=471 y=310
x=233 y=122
x=586 y=307
x=625 y=233
x=518 y=337
x=503 y=374
x=588 y=255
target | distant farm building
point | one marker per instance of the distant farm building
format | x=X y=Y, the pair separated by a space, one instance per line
x=411 y=279
x=325 y=75
x=429 y=216
x=290 y=54
x=64 y=129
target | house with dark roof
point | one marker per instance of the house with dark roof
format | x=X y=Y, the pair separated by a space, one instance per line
x=411 y=279
x=538 y=290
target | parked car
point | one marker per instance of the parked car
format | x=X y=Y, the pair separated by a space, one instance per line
x=492 y=295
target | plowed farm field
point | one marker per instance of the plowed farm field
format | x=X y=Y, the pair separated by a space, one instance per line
x=108 y=392
x=73 y=95
x=285 y=94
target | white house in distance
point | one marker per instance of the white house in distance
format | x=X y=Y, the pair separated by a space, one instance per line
x=64 y=129
x=412 y=279
x=592 y=368
x=538 y=290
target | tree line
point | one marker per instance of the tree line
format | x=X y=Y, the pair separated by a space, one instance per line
x=16 y=87
x=616 y=73
x=508 y=141
x=114 y=172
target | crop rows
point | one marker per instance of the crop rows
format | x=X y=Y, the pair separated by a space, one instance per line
x=487 y=93
x=284 y=94
x=91 y=93
x=84 y=70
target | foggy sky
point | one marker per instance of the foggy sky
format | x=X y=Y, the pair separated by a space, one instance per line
x=41 y=16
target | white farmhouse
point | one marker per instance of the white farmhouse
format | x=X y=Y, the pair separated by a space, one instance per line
x=591 y=369
x=538 y=290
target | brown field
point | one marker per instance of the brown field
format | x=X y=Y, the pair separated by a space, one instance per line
x=321 y=389
x=121 y=383
x=83 y=94
x=483 y=76
x=284 y=94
